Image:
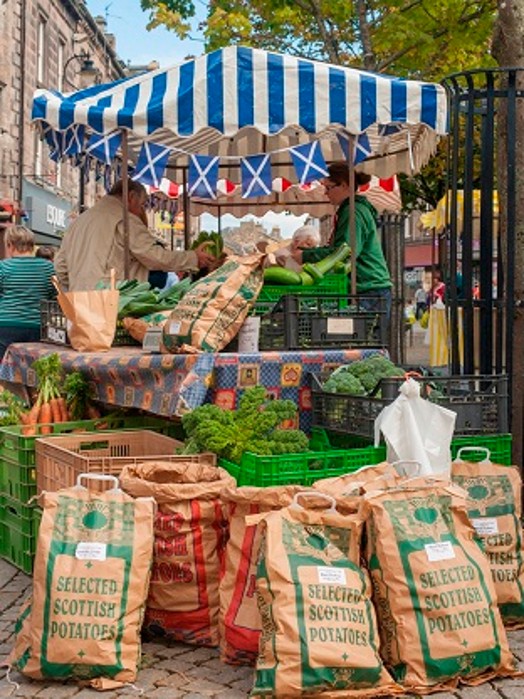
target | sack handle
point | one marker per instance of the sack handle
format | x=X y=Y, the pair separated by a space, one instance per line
x=412 y=462
x=484 y=450
x=295 y=505
x=97 y=477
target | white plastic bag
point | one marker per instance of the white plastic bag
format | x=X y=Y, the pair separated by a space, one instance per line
x=417 y=430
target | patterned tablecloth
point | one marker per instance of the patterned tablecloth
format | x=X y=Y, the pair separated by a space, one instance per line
x=166 y=384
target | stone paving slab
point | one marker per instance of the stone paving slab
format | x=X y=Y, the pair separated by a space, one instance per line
x=175 y=671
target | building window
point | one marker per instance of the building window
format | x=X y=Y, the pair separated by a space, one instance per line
x=60 y=62
x=41 y=50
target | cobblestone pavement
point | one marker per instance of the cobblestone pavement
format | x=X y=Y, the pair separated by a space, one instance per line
x=176 y=671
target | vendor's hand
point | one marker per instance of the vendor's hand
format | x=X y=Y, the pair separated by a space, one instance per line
x=205 y=260
x=217 y=262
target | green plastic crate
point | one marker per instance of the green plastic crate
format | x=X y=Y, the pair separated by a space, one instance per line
x=498 y=444
x=303 y=469
x=20 y=449
x=330 y=284
x=18 y=532
x=18 y=457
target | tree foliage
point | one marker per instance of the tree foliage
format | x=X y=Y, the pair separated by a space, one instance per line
x=419 y=39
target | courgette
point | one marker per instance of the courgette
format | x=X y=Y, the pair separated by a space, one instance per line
x=281 y=276
x=318 y=269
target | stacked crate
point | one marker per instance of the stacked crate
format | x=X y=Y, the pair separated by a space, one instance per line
x=19 y=516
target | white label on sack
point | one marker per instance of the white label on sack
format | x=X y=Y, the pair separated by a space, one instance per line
x=485 y=525
x=340 y=326
x=332 y=576
x=440 y=551
x=174 y=327
x=91 y=551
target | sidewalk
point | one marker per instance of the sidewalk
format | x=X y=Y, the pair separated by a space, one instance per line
x=175 y=671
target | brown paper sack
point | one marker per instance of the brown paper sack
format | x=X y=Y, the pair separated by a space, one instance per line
x=495 y=513
x=190 y=538
x=436 y=603
x=91 y=316
x=239 y=621
x=90 y=584
x=319 y=632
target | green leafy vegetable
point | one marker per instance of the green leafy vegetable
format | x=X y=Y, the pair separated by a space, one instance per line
x=255 y=426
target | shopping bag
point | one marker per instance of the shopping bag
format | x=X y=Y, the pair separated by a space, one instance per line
x=417 y=430
x=91 y=316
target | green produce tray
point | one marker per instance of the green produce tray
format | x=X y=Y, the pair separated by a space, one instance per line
x=20 y=449
x=18 y=532
x=18 y=455
x=330 y=284
x=498 y=444
x=303 y=469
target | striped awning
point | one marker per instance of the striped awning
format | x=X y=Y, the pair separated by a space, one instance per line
x=240 y=101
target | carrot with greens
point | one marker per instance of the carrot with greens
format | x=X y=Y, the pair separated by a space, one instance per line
x=56 y=413
x=46 y=418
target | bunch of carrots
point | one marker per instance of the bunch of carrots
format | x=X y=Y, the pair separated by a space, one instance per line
x=50 y=406
x=58 y=399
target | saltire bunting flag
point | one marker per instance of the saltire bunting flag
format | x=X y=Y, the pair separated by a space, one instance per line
x=104 y=148
x=389 y=129
x=203 y=176
x=74 y=140
x=151 y=164
x=256 y=176
x=363 y=148
x=343 y=142
x=54 y=140
x=309 y=162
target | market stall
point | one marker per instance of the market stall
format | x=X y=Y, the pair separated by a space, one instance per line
x=224 y=114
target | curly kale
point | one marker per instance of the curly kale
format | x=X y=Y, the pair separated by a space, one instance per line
x=255 y=426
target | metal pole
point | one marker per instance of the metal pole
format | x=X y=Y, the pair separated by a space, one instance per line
x=352 y=215
x=185 y=199
x=125 y=203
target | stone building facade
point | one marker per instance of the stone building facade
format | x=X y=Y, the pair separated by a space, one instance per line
x=54 y=44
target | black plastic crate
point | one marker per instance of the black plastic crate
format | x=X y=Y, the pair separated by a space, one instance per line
x=320 y=322
x=481 y=403
x=53 y=327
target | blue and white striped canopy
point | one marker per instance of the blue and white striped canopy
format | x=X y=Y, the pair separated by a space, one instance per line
x=240 y=101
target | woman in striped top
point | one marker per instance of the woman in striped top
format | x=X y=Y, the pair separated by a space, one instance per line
x=24 y=282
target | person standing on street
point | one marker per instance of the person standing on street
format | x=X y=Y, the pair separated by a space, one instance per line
x=421 y=302
x=25 y=281
x=94 y=244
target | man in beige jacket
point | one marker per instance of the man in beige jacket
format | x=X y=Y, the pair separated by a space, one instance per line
x=94 y=244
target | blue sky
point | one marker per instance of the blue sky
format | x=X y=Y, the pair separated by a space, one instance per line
x=138 y=46
x=134 y=43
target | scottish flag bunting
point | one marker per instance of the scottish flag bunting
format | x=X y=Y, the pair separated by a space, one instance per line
x=203 y=176
x=104 y=148
x=389 y=129
x=309 y=162
x=74 y=140
x=151 y=164
x=256 y=176
x=363 y=148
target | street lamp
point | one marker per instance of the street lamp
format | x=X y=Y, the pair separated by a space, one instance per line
x=88 y=74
